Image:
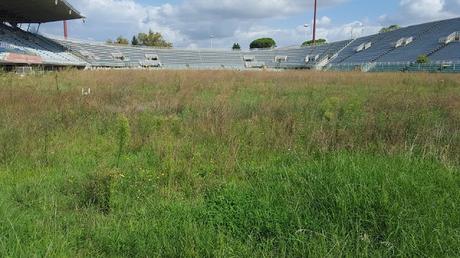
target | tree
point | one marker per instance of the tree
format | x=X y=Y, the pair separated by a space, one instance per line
x=263 y=43
x=317 y=42
x=390 y=28
x=153 y=39
x=423 y=59
x=134 y=41
x=236 y=46
x=109 y=41
x=122 y=41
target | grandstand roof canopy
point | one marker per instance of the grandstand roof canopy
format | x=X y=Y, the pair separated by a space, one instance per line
x=37 y=11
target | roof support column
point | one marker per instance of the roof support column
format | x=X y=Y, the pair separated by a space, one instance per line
x=66 y=33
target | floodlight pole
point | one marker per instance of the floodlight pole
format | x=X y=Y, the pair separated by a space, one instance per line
x=314 y=22
x=306 y=26
x=66 y=32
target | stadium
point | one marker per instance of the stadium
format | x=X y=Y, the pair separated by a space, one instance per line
x=344 y=149
x=391 y=51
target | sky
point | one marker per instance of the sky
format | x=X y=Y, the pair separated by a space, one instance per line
x=192 y=23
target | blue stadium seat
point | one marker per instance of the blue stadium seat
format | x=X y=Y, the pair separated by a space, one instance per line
x=391 y=51
x=22 y=42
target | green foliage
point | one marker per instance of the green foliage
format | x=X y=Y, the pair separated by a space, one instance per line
x=123 y=136
x=316 y=42
x=331 y=109
x=10 y=142
x=134 y=41
x=236 y=46
x=225 y=164
x=122 y=41
x=95 y=192
x=423 y=59
x=390 y=28
x=153 y=39
x=263 y=43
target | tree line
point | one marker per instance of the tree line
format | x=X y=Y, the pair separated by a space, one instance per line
x=155 y=39
x=150 y=39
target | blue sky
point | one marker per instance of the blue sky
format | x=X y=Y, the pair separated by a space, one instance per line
x=189 y=23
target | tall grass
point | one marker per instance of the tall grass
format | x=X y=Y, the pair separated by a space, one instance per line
x=123 y=135
x=221 y=163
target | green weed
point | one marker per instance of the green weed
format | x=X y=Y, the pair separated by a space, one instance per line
x=229 y=164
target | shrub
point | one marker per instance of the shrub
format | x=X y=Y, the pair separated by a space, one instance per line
x=236 y=46
x=134 y=41
x=390 y=28
x=423 y=59
x=122 y=41
x=316 y=42
x=153 y=39
x=263 y=43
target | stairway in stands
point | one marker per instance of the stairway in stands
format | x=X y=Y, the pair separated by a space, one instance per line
x=335 y=55
x=441 y=46
x=381 y=55
x=376 y=38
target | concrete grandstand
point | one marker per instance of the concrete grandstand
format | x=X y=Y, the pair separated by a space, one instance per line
x=19 y=47
x=397 y=50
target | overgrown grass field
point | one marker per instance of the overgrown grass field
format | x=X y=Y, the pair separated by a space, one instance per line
x=229 y=164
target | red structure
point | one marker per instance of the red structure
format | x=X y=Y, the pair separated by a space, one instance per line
x=66 y=32
x=314 y=22
x=15 y=58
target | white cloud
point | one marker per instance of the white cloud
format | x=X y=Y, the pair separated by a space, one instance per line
x=324 y=21
x=425 y=8
x=350 y=30
x=417 y=11
x=190 y=22
x=231 y=9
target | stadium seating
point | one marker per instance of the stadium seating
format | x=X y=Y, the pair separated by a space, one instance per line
x=425 y=42
x=98 y=55
x=402 y=45
x=102 y=55
x=450 y=52
x=396 y=50
x=350 y=50
x=390 y=51
x=326 y=53
x=384 y=43
x=14 y=40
